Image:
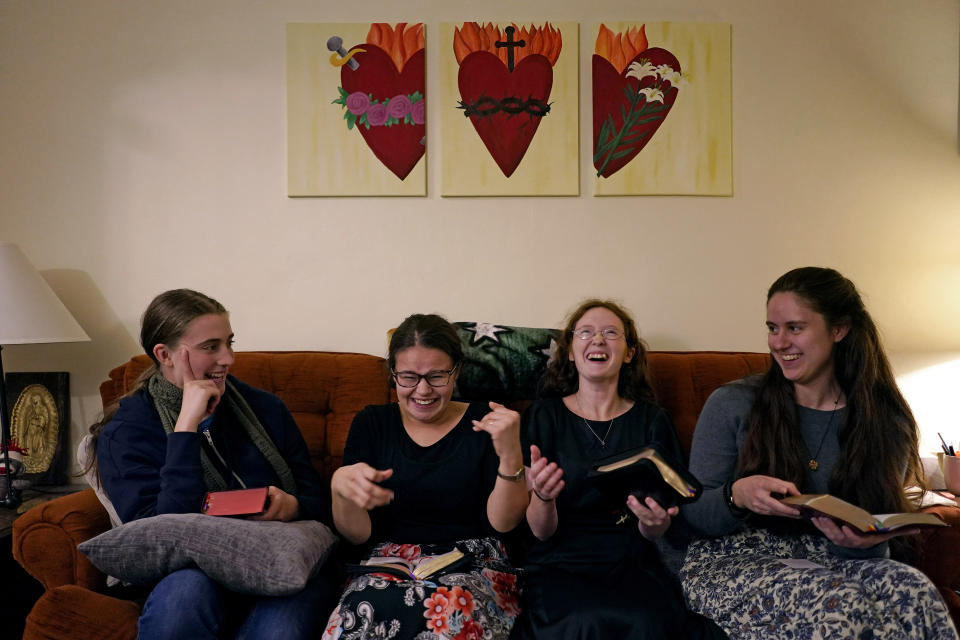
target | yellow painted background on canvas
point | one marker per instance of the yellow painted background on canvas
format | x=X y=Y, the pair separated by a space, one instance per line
x=323 y=157
x=691 y=152
x=550 y=165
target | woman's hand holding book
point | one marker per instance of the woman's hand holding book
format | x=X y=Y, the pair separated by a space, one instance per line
x=761 y=495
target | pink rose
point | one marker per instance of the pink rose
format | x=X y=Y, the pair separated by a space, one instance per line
x=418 y=112
x=399 y=106
x=357 y=103
x=377 y=114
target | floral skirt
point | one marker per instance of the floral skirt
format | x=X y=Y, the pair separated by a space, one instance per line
x=479 y=600
x=741 y=583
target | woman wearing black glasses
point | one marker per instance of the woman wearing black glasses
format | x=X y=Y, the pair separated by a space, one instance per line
x=594 y=572
x=420 y=477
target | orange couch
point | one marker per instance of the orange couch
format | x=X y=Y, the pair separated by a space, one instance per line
x=323 y=391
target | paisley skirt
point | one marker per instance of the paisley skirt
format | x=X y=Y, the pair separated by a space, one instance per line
x=476 y=601
x=741 y=582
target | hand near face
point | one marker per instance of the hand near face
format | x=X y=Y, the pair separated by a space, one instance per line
x=280 y=506
x=503 y=425
x=546 y=476
x=359 y=484
x=654 y=520
x=200 y=397
x=847 y=537
x=756 y=493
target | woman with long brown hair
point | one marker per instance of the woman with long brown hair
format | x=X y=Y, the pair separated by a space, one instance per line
x=827 y=417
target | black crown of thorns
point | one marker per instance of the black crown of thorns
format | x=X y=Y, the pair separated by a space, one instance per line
x=487 y=106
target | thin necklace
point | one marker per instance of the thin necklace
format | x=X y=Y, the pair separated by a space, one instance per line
x=813 y=464
x=603 y=440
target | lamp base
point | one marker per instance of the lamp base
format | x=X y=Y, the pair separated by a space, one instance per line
x=12 y=498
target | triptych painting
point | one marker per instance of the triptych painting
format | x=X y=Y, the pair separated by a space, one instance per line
x=507 y=113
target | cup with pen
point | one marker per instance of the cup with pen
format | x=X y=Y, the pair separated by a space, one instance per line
x=950 y=466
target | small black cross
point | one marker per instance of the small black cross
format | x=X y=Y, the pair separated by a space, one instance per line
x=510 y=44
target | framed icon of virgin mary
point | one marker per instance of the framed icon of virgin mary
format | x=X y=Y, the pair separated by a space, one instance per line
x=39 y=405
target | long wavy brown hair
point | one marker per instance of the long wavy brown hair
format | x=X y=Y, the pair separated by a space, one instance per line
x=879 y=446
x=561 y=378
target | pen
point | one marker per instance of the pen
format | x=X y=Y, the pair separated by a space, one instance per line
x=946 y=448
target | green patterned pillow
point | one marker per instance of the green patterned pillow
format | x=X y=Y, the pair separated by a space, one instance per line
x=502 y=363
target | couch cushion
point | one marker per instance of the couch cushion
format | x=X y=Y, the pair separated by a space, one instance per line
x=264 y=558
x=683 y=380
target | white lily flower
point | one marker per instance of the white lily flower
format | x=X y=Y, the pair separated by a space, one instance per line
x=641 y=70
x=652 y=94
x=667 y=73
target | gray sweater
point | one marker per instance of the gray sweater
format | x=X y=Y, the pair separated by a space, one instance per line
x=718 y=438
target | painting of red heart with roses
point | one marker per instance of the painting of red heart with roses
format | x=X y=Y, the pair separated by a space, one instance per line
x=391 y=123
x=382 y=92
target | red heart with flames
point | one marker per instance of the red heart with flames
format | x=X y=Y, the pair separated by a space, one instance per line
x=485 y=81
x=617 y=100
x=400 y=146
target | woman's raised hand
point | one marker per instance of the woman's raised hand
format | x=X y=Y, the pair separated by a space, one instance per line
x=545 y=476
x=359 y=484
x=200 y=397
x=761 y=494
x=503 y=425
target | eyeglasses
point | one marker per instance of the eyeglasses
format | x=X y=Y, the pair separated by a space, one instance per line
x=409 y=379
x=608 y=334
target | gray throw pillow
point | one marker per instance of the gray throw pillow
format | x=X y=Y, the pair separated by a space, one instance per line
x=247 y=556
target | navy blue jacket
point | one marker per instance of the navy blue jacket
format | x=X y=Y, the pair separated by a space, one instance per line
x=146 y=472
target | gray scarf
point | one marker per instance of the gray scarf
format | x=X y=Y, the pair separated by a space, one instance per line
x=167 y=398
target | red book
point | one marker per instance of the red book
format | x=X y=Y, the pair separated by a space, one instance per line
x=241 y=502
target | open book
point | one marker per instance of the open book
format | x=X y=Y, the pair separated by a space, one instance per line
x=238 y=502
x=823 y=504
x=423 y=568
x=645 y=472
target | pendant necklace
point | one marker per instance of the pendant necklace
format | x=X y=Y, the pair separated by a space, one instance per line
x=603 y=440
x=813 y=464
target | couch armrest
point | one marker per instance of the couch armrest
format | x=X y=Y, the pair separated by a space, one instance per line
x=74 y=613
x=45 y=540
x=938 y=559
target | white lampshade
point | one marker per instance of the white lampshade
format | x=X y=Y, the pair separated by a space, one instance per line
x=30 y=312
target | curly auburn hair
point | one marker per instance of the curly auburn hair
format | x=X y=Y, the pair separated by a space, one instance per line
x=561 y=377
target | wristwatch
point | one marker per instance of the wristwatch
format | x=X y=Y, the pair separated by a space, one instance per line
x=512 y=477
x=738 y=512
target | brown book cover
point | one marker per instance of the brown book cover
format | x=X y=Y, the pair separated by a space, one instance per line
x=823 y=504
x=240 y=502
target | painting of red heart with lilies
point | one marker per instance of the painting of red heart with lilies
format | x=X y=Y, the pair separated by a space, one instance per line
x=513 y=92
x=356 y=109
x=661 y=109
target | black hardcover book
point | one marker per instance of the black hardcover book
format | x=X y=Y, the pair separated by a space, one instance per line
x=645 y=472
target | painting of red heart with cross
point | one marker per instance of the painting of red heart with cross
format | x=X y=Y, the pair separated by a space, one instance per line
x=634 y=88
x=505 y=78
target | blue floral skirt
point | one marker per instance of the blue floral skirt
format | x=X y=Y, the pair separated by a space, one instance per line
x=741 y=583
x=472 y=602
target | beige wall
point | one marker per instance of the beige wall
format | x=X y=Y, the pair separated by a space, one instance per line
x=143 y=149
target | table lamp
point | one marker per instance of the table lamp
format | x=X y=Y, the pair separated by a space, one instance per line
x=30 y=313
